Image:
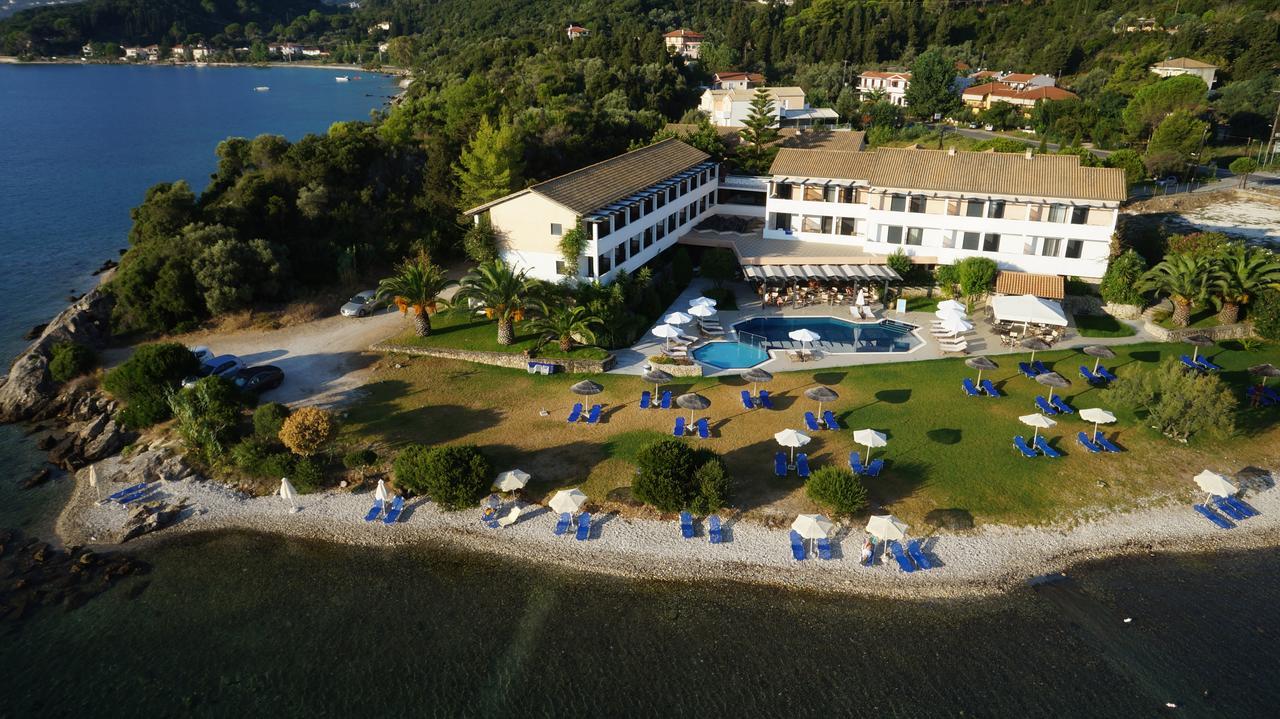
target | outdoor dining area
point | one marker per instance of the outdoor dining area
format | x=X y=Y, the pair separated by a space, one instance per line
x=805 y=285
x=1019 y=318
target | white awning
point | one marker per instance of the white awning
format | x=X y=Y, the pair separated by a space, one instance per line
x=1028 y=309
x=793 y=272
x=753 y=272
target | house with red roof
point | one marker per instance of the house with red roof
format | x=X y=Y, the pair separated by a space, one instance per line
x=683 y=42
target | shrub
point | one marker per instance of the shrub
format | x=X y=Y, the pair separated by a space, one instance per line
x=724 y=297
x=976 y=275
x=250 y=454
x=899 y=262
x=308 y=475
x=1180 y=404
x=681 y=267
x=144 y=379
x=1265 y=315
x=269 y=418
x=836 y=488
x=674 y=476
x=360 y=460
x=307 y=431
x=276 y=465
x=718 y=265
x=481 y=241
x=455 y=477
x=1120 y=282
x=207 y=415
x=69 y=360
x=712 y=487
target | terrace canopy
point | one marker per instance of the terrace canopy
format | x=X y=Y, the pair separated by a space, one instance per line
x=1028 y=309
x=824 y=273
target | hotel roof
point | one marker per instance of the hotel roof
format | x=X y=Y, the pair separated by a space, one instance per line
x=1186 y=63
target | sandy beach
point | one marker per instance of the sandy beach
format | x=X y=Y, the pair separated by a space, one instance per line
x=985 y=561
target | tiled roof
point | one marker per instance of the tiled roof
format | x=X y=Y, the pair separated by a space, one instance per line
x=1001 y=89
x=1186 y=63
x=878 y=73
x=733 y=76
x=688 y=34
x=1049 y=287
x=597 y=185
x=996 y=173
x=845 y=140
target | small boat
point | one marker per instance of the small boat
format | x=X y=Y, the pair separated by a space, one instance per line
x=261 y=88
x=341 y=78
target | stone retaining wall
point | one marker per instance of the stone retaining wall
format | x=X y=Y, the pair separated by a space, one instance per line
x=680 y=370
x=500 y=359
x=1217 y=334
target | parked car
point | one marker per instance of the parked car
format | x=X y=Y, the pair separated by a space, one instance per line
x=223 y=366
x=203 y=354
x=259 y=379
x=362 y=305
x=973 y=126
x=1167 y=182
x=989 y=127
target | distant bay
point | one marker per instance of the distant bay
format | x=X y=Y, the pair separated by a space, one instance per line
x=79 y=145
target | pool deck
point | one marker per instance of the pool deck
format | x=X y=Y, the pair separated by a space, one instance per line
x=982 y=340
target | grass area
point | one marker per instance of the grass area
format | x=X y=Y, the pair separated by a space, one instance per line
x=945 y=450
x=1200 y=317
x=1102 y=326
x=459 y=331
x=923 y=304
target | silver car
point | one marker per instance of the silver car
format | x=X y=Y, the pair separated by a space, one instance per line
x=362 y=305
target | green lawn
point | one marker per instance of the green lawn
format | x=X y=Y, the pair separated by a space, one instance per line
x=923 y=304
x=459 y=331
x=945 y=451
x=1102 y=326
x=1200 y=317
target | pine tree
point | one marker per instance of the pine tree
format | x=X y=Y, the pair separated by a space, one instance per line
x=491 y=164
x=758 y=130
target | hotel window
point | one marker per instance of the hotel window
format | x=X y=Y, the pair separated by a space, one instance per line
x=589 y=269
x=915 y=236
x=848 y=195
x=557 y=229
x=782 y=190
x=813 y=193
x=633 y=212
x=973 y=208
x=560 y=268
x=671 y=222
x=604 y=263
x=602 y=229
x=782 y=221
x=620 y=255
x=1074 y=249
x=660 y=231
x=1079 y=215
x=991 y=242
x=996 y=209
x=659 y=199
x=1049 y=246
x=970 y=241
x=833 y=193
x=917 y=203
x=897 y=203
x=809 y=223
x=648 y=237
x=1057 y=213
x=846 y=226
x=619 y=219
x=684 y=215
x=635 y=245
x=646 y=205
x=893 y=235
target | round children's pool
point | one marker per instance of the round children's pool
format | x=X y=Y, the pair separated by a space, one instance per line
x=730 y=355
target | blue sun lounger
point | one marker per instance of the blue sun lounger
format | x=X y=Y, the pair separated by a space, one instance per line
x=686 y=525
x=990 y=389
x=1242 y=506
x=576 y=414
x=115 y=497
x=562 y=525
x=797 y=546
x=1213 y=516
x=393 y=514
x=855 y=462
x=1061 y=405
x=704 y=429
x=1101 y=440
x=594 y=416
x=1105 y=373
x=666 y=400
x=1186 y=362
x=679 y=428
x=1027 y=370
x=811 y=422
x=1225 y=507
x=780 y=464
x=1045 y=406
x=1264 y=396
x=1208 y=364
x=802 y=464
x=901 y=557
x=1087 y=443
x=715 y=532
x=374 y=511
x=132 y=493
x=646 y=400
x=1043 y=445
x=1039 y=367
x=1021 y=444
x=873 y=468
x=829 y=419
x=969 y=389
x=764 y=399
x=746 y=400
x=1088 y=376
x=584 y=527
x=824 y=548
x=917 y=555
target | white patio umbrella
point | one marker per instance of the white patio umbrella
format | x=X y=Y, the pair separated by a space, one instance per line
x=949 y=314
x=1215 y=484
x=1097 y=415
x=93 y=481
x=288 y=493
x=955 y=324
x=666 y=332
x=886 y=526
x=702 y=301
x=870 y=438
x=511 y=480
x=861 y=298
x=812 y=526
x=677 y=318
x=702 y=311
x=791 y=438
x=380 y=493
x=1038 y=421
x=804 y=335
x=952 y=305
x=568 y=501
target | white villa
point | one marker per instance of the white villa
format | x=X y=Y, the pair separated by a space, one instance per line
x=826 y=200
x=683 y=42
x=1186 y=66
x=893 y=84
x=731 y=107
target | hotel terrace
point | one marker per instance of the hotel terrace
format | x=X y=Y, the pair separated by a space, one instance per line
x=826 y=201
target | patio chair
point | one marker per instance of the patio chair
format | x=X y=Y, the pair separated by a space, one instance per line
x=1021 y=444
x=824 y=548
x=646 y=400
x=797 y=546
x=575 y=414
x=1061 y=404
x=1026 y=369
x=873 y=467
x=1186 y=362
x=1045 y=406
x=765 y=402
x=901 y=557
x=1087 y=443
x=829 y=419
x=584 y=527
x=1105 y=373
x=969 y=389
x=1225 y=507
x=746 y=400
x=917 y=555
x=780 y=464
x=855 y=462
x=1039 y=367
x=1213 y=516
x=990 y=389
x=715 y=532
x=1101 y=440
x=666 y=400
x=811 y=422
x=1043 y=445
x=679 y=428
x=1207 y=364
x=374 y=511
x=704 y=429
x=393 y=514
x=802 y=465
x=1088 y=376
x=1242 y=506
x=686 y=525
x=593 y=417
x=562 y=525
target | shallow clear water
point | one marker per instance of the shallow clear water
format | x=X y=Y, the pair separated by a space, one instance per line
x=836 y=334
x=730 y=355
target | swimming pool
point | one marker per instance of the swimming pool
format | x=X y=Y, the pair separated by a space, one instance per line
x=730 y=355
x=837 y=335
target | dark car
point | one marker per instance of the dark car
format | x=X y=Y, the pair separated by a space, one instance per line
x=258 y=379
x=222 y=366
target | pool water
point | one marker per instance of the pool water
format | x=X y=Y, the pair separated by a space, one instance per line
x=730 y=355
x=837 y=335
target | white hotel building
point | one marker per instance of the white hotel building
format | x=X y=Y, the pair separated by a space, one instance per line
x=825 y=201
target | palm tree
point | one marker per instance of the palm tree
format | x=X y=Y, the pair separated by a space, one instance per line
x=565 y=323
x=1238 y=275
x=1182 y=278
x=417 y=284
x=503 y=292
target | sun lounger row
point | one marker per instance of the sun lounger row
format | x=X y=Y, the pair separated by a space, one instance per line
x=1033 y=369
x=393 y=511
x=781 y=468
x=1264 y=396
x=1097 y=443
x=701 y=427
x=872 y=469
x=1054 y=405
x=1200 y=364
x=647 y=402
x=763 y=400
x=828 y=421
x=584 y=526
x=592 y=416
x=132 y=493
x=1100 y=377
x=1041 y=444
x=1212 y=516
x=972 y=390
x=715 y=532
x=711 y=327
x=961 y=346
x=1234 y=508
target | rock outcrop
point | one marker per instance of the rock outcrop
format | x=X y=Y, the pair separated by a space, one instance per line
x=149 y=518
x=36 y=575
x=29 y=392
x=92 y=432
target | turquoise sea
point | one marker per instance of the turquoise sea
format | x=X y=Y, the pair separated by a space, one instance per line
x=245 y=625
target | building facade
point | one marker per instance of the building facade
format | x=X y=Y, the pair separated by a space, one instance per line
x=683 y=42
x=732 y=107
x=892 y=84
x=1186 y=66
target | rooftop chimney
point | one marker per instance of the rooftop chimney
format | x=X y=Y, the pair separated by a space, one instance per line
x=951 y=151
